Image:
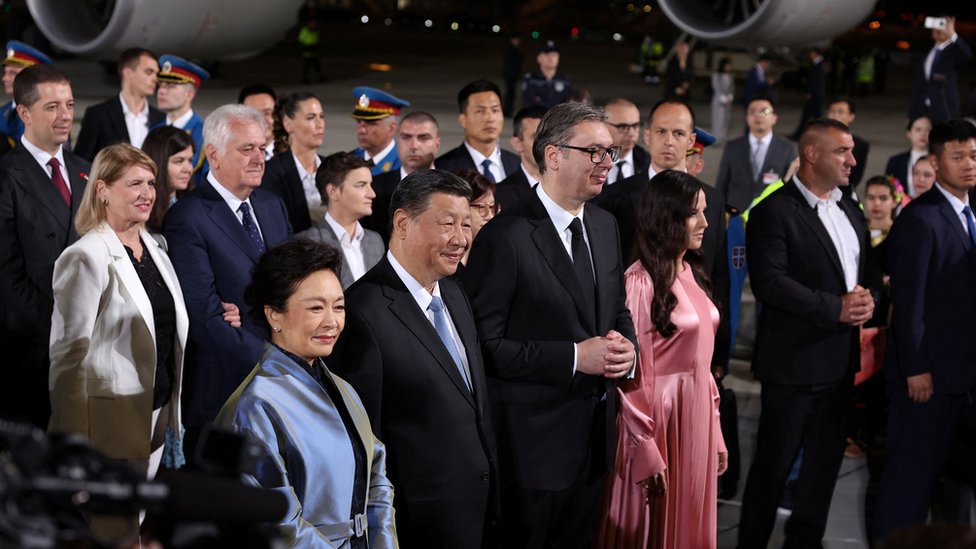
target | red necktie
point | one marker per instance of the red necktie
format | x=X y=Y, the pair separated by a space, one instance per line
x=58 y=180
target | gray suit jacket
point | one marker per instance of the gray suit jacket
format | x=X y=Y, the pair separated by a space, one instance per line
x=735 y=177
x=373 y=247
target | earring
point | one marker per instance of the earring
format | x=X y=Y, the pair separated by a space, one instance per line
x=277 y=329
x=104 y=202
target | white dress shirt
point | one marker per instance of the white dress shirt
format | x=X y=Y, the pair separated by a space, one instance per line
x=352 y=246
x=182 y=121
x=234 y=203
x=497 y=170
x=43 y=158
x=957 y=205
x=382 y=154
x=624 y=164
x=839 y=228
x=312 y=195
x=753 y=143
x=136 y=123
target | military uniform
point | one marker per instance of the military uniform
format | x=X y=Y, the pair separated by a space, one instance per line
x=537 y=90
x=176 y=70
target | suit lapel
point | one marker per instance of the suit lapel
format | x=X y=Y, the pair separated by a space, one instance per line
x=464 y=324
x=272 y=231
x=404 y=307
x=35 y=181
x=809 y=216
x=551 y=248
x=116 y=119
x=952 y=218
x=127 y=276
x=227 y=221
x=165 y=267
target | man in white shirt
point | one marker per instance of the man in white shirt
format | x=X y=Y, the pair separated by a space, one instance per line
x=345 y=183
x=480 y=107
x=129 y=116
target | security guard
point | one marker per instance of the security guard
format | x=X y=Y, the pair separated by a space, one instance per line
x=377 y=116
x=546 y=86
x=19 y=57
x=179 y=81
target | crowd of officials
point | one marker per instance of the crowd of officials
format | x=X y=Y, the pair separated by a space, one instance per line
x=480 y=347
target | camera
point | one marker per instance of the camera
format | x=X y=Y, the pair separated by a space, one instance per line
x=936 y=23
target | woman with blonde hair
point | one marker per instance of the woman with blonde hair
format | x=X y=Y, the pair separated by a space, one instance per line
x=119 y=325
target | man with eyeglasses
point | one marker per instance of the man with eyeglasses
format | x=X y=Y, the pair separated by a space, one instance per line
x=546 y=284
x=624 y=123
x=755 y=160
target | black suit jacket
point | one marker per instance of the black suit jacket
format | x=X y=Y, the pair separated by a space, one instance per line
x=35 y=227
x=104 y=125
x=379 y=220
x=513 y=189
x=281 y=178
x=942 y=87
x=736 y=180
x=623 y=201
x=438 y=435
x=458 y=159
x=798 y=280
x=528 y=304
x=898 y=167
x=860 y=152
x=642 y=159
x=932 y=265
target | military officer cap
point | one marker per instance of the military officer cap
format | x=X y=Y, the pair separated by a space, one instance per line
x=22 y=55
x=177 y=70
x=702 y=140
x=374 y=104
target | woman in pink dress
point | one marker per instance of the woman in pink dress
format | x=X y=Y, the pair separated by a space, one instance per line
x=670 y=449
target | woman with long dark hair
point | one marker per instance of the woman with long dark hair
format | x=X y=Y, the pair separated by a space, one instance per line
x=670 y=449
x=172 y=150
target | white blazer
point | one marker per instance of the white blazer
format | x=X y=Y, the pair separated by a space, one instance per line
x=103 y=346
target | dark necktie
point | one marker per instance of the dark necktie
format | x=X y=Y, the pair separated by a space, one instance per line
x=620 y=171
x=58 y=180
x=582 y=264
x=250 y=229
x=970 y=225
x=444 y=332
x=486 y=168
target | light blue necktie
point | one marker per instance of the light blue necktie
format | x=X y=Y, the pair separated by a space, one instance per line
x=486 y=165
x=444 y=332
x=970 y=225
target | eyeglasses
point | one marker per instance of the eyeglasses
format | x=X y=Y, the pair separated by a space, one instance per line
x=597 y=154
x=486 y=210
x=626 y=127
x=761 y=112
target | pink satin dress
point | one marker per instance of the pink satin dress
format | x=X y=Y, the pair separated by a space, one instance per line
x=667 y=421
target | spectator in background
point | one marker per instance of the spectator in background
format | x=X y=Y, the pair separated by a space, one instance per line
x=546 y=86
x=179 y=81
x=935 y=87
x=758 y=80
x=480 y=105
x=624 y=123
x=923 y=175
x=300 y=129
x=901 y=165
x=308 y=39
x=511 y=71
x=517 y=186
x=842 y=109
x=171 y=150
x=345 y=185
x=483 y=207
x=263 y=98
x=723 y=93
x=680 y=73
x=377 y=114
x=816 y=92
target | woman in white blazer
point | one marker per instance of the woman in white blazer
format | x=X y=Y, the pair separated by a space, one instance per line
x=119 y=326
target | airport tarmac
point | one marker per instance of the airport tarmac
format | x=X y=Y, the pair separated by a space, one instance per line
x=428 y=68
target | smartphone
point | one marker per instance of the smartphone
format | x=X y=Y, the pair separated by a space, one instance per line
x=935 y=22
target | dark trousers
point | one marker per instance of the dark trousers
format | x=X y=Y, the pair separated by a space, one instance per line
x=918 y=441
x=793 y=417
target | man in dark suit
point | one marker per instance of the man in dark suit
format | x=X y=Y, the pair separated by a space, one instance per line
x=216 y=235
x=757 y=81
x=418 y=141
x=816 y=92
x=41 y=187
x=518 y=185
x=935 y=88
x=480 y=104
x=900 y=165
x=624 y=123
x=411 y=350
x=546 y=283
x=931 y=359
x=128 y=117
x=755 y=160
x=843 y=110
x=807 y=248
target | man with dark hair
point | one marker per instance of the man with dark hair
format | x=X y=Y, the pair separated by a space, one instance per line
x=935 y=88
x=480 y=105
x=263 y=98
x=345 y=183
x=128 y=117
x=842 y=109
x=411 y=350
x=546 y=86
x=518 y=185
x=931 y=356
x=807 y=247
x=546 y=283
x=41 y=186
x=758 y=82
x=755 y=160
x=417 y=144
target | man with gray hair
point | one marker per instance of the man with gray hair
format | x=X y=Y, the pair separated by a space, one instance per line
x=216 y=234
x=546 y=282
x=411 y=350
